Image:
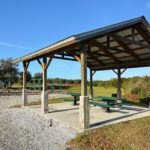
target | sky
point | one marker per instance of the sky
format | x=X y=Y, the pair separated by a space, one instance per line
x=28 y=25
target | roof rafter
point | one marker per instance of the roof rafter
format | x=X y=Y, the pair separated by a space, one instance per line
x=95 y=58
x=105 y=50
x=145 y=36
x=123 y=65
x=120 y=38
x=126 y=47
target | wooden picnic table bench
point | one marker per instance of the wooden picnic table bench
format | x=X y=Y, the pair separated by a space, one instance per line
x=110 y=99
x=109 y=102
x=103 y=105
x=75 y=97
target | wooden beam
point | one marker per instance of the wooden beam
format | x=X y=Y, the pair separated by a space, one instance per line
x=112 y=40
x=108 y=42
x=56 y=57
x=106 y=51
x=114 y=71
x=24 y=90
x=75 y=56
x=144 y=35
x=63 y=54
x=97 y=44
x=90 y=54
x=91 y=83
x=125 y=46
x=93 y=72
x=24 y=75
x=44 y=74
x=123 y=70
x=123 y=65
x=44 y=102
x=84 y=72
x=26 y=65
x=48 y=63
x=40 y=63
x=133 y=33
x=128 y=41
x=84 y=114
x=119 y=83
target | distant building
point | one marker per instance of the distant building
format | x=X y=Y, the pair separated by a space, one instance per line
x=1 y=84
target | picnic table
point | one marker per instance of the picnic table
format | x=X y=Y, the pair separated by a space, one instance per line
x=113 y=100
x=104 y=101
x=108 y=102
x=75 y=97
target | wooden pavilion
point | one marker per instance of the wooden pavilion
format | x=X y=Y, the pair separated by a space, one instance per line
x=115 y=47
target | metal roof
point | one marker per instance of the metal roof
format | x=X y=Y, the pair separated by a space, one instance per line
x=125 y=44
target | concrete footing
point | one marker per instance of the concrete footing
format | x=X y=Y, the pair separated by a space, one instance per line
x=45 y=102
x=84 y=117
x=90 y=97
x=24 y=97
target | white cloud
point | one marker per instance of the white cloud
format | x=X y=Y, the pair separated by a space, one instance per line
x=14 y=45
x=148 y=4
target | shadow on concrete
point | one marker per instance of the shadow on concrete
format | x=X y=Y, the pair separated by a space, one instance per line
x=131 y=108
x=61 y=110
x=114 y=119
x=120 y=111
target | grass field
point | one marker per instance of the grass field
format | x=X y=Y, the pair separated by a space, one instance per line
x=131 y=135
x=101 y=91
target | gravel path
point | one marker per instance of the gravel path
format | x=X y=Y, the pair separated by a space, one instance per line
x=22 y=129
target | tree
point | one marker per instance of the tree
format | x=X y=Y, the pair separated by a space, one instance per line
x=8 y=72
x=38 y=75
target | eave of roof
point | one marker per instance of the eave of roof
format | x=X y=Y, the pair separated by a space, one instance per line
x=83 y=36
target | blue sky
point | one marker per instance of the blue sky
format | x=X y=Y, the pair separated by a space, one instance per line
x=28 y=25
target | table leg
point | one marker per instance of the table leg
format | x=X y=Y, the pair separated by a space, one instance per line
x=108 y=109
x=75 y=100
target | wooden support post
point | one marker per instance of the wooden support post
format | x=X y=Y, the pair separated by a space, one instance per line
x=84 y=72
x=119 y=73
x=91 y=83
x=44 y=92
x=84 y=99
x=44 y=66
x=24 y=90
x=119 y=83
x=44 y=74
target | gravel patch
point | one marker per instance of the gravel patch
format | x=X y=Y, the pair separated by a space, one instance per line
x=8 y=101
x=23 y=129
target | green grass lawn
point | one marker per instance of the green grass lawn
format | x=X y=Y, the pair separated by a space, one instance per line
x=98 y=91
x=131 y=135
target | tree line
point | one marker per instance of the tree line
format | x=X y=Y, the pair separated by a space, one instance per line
x=9 y=74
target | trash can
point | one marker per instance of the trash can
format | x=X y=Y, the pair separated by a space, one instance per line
x=114 y=95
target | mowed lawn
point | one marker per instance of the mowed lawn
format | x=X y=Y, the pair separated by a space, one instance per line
x=131 y=135
x=98 y=91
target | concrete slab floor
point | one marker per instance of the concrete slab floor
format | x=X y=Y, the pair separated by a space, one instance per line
x=69 y=114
